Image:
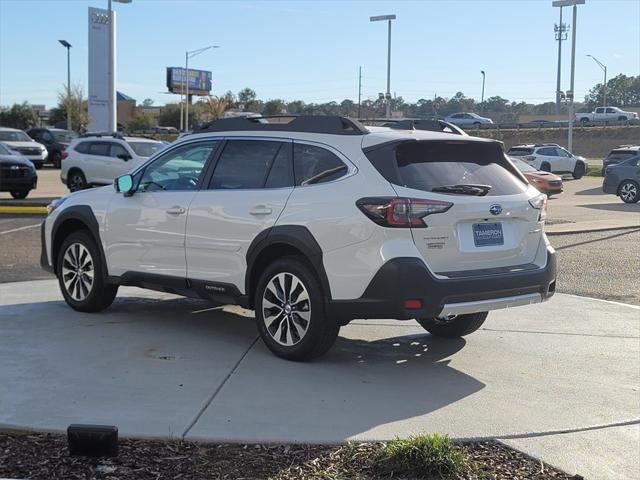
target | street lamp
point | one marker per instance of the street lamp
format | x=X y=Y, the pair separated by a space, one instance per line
x=482 y=98
x=574 y=4
x=190 y=54
x=67 y=45
x=388 y=18
x=604 y=84
x=113 y=116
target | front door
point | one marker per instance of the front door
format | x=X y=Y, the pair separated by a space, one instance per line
x=252 y=180
x=145 y=231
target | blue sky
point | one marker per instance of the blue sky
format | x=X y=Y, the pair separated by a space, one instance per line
x=311 y=50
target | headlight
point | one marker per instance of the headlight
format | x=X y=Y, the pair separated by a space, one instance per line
x=55 y=204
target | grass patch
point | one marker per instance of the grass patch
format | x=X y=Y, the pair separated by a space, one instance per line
x=422 y=456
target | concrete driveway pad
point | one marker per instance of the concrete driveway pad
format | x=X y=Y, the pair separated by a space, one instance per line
x=532 y=376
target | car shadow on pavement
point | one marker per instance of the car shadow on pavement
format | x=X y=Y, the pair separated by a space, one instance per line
x=616 y=207
x=591 y=191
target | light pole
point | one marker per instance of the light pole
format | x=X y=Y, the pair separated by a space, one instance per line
x=190 y=54
x=113 y=115
x=604 y=84
x=388 y=18
x=482 y=98
x=67 y=45
x=574 y=4
x=561 y=35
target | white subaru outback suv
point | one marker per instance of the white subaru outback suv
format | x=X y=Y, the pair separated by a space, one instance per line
x=551 y=157
x=312 y=223
x=97 y=159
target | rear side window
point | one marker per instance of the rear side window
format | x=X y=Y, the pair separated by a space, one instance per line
x=520 y=152
x=100 y=148
x=548 y=152
x=430 y=165
x=244 y=164
x=314 y=164
x=82 y=147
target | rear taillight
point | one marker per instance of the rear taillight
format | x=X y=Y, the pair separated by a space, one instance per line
x=400 y=212
x=540 y=203
x=63 y=155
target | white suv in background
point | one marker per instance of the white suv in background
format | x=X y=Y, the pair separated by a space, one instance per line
x=97 y=159
x=26 y=146
x=550 y=157
x=312 y=223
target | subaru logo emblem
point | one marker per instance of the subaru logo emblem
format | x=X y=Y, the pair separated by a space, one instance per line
x=495 y=209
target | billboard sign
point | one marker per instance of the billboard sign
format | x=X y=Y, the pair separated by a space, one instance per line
x=99 y=107
x=199 y=81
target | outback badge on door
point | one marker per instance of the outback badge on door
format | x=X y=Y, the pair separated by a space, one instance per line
x=495 y=209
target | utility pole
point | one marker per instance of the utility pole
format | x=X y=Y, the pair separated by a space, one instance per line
x=359 y=91
x=67 y=45
x=560 y=30
x=571 y=92
x=482 y=98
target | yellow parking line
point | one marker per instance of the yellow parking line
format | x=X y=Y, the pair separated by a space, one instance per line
x=24 y=210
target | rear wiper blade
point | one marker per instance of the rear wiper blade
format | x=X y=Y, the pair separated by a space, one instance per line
x=464 y=189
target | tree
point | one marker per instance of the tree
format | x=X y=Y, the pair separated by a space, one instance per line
x=622 y=91
x=147 y=102
x=77 y=106
x=20 y=115
x=217 y=106
x=141 y=121
x=274 y=107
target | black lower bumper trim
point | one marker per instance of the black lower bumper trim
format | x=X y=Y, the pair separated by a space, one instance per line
x=44 y=261
x=408 y=278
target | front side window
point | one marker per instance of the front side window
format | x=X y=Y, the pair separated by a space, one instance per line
x=179 y=169
x=561 y=152
x=64 y=136
x=313 y=164
x=245 y=164
x=117 y=149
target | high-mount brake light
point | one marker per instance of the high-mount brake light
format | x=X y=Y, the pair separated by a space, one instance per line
x=399 y=212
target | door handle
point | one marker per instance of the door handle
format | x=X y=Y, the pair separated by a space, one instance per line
x=176 y=211
x=260 y=210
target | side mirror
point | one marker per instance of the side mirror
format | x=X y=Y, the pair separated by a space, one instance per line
x=124 y=156
x=124 y=185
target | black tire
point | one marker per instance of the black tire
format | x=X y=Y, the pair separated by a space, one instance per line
x=579 y=170
x=545 y=167
x=584 y=121
x=20 y=194
x=76 y=181
x=99 y=295
x=318 y=332
x=457 y=326
x=629 y=191
x=56 y=159
x=38 y=165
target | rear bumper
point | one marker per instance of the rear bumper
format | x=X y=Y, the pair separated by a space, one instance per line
x=406 y=278
x=610 y=184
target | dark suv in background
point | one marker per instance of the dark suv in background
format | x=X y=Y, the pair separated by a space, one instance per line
x=618 y=155
x=55 y=140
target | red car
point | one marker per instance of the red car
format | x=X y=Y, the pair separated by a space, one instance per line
x=545 y=182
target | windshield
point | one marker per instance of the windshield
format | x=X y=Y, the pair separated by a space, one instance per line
x=621 y=154
x=522 y=166
x=9 y=136
x=64 y=136
x=146 y=149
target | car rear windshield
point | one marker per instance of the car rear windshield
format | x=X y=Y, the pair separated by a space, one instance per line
x=621 y=154
x=64 y=136
x=146 y=149
x=429 y=165
x=520 y=152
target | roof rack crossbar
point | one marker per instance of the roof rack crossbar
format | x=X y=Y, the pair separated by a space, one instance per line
x=329 y=124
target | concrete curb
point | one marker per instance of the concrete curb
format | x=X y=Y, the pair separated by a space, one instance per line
x=35 y=210
x=590 y=230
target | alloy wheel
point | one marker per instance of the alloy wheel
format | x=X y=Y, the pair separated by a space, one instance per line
x=628 y=191
x=286 y=309
x=78 y=271
x=76 y=183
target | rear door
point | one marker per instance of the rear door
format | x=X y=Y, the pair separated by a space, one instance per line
x=477 y=232
x=249 y=188
x=96 y=162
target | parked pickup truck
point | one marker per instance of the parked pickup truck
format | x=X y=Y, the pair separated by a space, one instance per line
x=606 y=114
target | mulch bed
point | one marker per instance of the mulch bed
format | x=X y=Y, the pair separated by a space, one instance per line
x=45 y=456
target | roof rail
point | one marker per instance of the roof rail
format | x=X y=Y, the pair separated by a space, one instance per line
x=102 y=134
x=329 y=124
x=432 y=125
